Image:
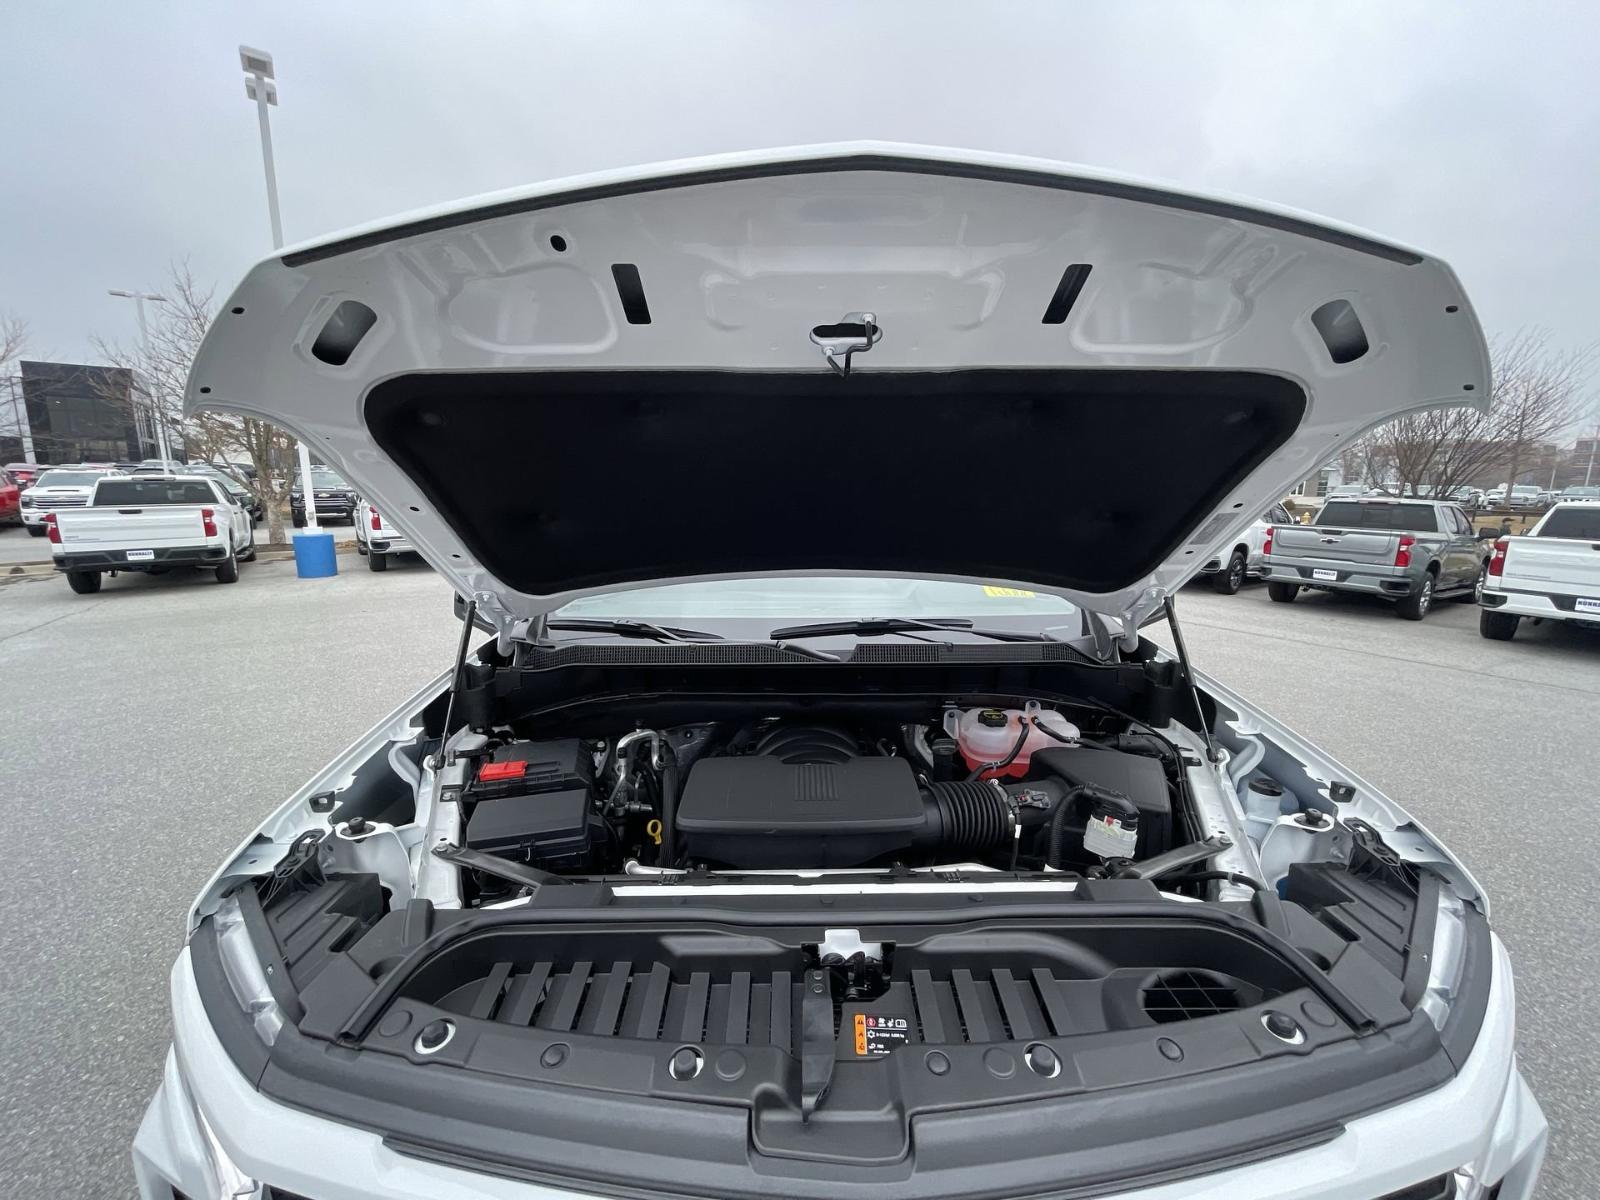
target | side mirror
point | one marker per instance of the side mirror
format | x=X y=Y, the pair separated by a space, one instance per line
x=1488 y=535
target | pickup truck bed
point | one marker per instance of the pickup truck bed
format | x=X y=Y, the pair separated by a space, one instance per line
x=150 y=523
x=1408 y=551
x=1553 y=574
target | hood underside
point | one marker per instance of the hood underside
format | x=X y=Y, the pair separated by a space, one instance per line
x=1074 y=381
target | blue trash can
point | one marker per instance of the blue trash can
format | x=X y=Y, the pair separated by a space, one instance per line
x=313 y=555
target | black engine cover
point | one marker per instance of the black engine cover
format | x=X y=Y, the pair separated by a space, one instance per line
x=759 y=811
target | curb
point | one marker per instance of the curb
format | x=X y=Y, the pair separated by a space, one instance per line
x=265 y=552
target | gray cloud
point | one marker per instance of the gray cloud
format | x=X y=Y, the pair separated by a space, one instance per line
x=1471 y=130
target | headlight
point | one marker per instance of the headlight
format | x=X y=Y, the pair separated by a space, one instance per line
x=243 y=969
x=1449 y=958
x=27 y=500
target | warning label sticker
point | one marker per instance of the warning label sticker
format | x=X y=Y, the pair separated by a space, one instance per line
x=877 y=1036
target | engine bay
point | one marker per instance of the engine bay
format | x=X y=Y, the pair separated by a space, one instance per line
x=1020 y=788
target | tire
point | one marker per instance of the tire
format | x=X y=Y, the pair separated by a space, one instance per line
x=85 y=583
x=1498 y=626
x=1283 y=593
x=35 y=530
x=298 y=519
x=1476 y=594
x=1415 y=606
x=1230 y=577
x=377 y=562
x=228 y=572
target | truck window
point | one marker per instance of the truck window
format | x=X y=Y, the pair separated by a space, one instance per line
x=1346 y=514
x=1582 y=524
x=139 y=493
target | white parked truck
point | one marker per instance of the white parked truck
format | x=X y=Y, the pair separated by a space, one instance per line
x=1552 y=574
x=151 y=523
x=376 y=538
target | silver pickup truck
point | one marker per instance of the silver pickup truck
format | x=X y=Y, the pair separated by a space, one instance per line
x=1407 y=551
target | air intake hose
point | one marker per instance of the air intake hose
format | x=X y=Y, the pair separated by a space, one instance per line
x=965 y=816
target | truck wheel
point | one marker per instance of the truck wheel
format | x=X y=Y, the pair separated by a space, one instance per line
x=1476 y=594
x=228 y=572
x=376 y=561
x=299 y=521
x=1415 y=606
x=1283 y=593
x=1230 y=578
x=35 y=530
x=85 y=583
x=1498 y=626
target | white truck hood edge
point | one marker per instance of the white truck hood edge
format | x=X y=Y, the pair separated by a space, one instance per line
x=973 y=266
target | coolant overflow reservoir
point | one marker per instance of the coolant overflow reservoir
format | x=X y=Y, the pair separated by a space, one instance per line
x=988 y=735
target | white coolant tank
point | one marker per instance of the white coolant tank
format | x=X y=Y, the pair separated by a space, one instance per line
x=986 y=735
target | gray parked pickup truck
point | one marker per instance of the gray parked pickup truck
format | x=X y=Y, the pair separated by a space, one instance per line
x=1408 y=551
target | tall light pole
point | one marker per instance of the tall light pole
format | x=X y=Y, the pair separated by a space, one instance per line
x=156 y=418
x=260 y=87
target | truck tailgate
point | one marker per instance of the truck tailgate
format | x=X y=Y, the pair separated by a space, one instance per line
x=1369 y=546
x=1560 y=566
x=132 y=528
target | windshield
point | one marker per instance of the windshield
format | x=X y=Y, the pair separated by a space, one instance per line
x=323 y=478
x=135 y=492
x=1581 y=522
x=67 y=478
x=1418 y=518
x=1578 y=493
x=809 y=598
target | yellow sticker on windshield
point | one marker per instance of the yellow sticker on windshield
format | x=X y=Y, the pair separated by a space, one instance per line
x=990 y=590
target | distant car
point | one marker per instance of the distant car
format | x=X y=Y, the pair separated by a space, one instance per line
x=237 y=488
x=1345 y=491
x=1552 y=574
x=1524 y=495
x=335 y=499
x=1242 y=560
x=23 y=474
x=10 y=498
x=1579 y=493
x=58 y=488
x=377 y=540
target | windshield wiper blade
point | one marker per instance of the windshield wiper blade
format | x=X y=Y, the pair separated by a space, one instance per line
x=642 y=629
x=882 y=626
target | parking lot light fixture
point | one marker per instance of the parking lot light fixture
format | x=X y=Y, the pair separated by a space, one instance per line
x=261 y=87
x=156 y=420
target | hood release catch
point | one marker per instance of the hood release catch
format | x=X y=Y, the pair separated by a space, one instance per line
x=855 y=333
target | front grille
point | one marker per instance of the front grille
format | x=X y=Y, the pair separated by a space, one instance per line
x=1441 y=1188
x=1187 y=995
x=762 y=1009
x=60 y=501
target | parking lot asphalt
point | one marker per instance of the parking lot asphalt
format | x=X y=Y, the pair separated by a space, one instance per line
x=150 y=727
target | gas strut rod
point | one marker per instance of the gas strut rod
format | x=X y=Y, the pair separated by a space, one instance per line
x=455 y=679
x=1188 y=674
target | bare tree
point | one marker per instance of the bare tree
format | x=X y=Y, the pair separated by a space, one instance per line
x=13 y=341
x=1535 y=398
x=162 y=371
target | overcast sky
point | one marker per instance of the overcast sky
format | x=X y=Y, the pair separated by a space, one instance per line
x=1470 y=130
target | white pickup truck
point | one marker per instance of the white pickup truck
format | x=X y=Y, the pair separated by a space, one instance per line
x=151 y=523
x=1552 y=574
x=376 y=539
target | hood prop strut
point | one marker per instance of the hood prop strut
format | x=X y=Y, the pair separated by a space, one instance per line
x=1188 y=674
x=471 y=611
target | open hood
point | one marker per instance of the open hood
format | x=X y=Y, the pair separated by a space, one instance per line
x=860 y=359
